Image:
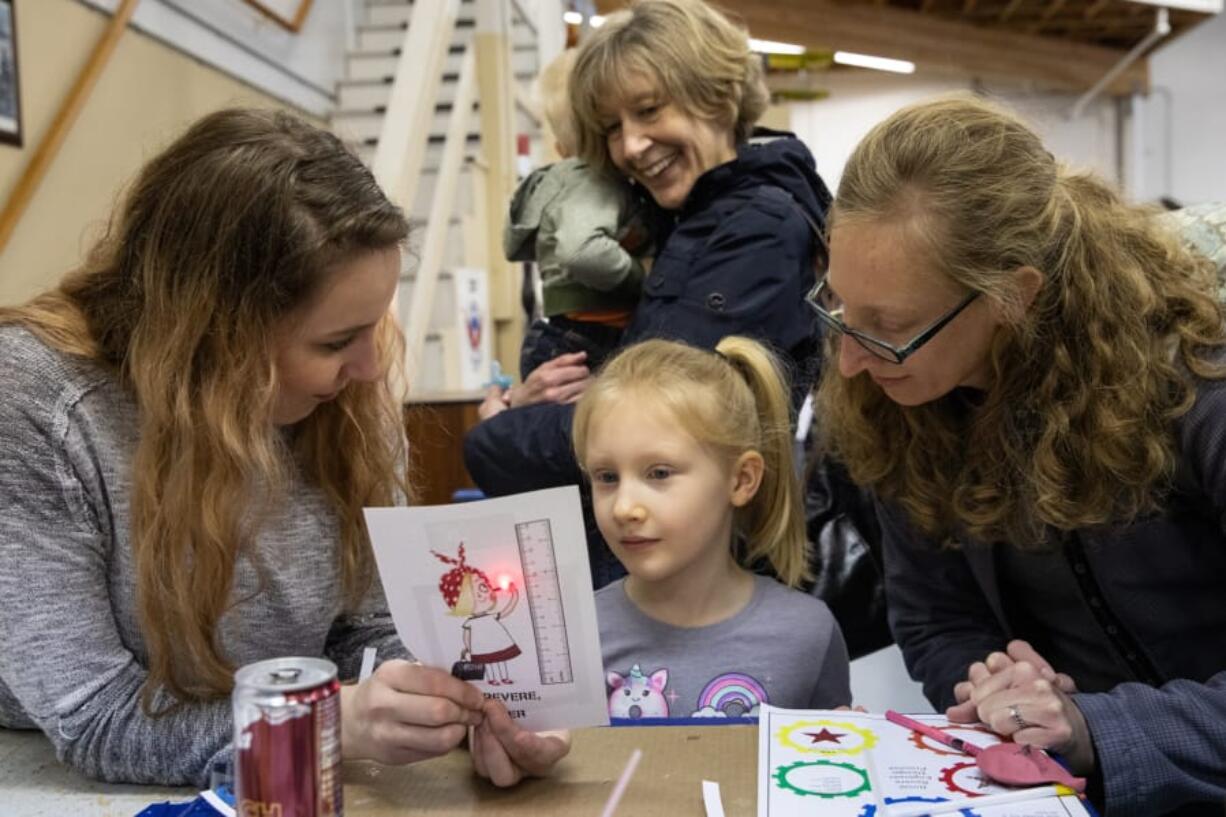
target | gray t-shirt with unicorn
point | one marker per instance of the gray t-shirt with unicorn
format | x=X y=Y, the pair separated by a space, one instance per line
x=784 y=648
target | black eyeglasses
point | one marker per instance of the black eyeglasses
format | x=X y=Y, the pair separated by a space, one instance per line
x=829 y=308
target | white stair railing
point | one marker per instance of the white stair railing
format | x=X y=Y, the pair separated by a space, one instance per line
x=401 y=149
x=441 y=209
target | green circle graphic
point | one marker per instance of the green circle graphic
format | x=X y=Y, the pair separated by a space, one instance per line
x=794 y=778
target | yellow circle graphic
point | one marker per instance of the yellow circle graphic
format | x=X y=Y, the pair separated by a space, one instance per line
x=826 y=737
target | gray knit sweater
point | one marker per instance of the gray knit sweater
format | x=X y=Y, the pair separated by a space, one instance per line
x=72 y=658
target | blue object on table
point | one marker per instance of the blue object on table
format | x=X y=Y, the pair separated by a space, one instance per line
x=683 y=721
x=214 y=803
x=467 y=495
x=497 y=378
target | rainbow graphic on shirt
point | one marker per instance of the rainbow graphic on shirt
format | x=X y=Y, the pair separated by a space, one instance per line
x=731 y=695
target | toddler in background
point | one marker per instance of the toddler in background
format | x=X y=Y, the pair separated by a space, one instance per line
x=689 y=453
x=586 y=232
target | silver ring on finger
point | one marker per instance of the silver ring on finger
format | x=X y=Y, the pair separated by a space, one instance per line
x=1018 y=721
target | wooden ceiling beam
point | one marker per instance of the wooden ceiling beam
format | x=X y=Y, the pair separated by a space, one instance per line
x=1106 y=25
x=1094 y=8
x=1052 y=9
x=1104 y=30
x=935 y=44
x=942 y=45
x=1009 y=10
x=938 y=44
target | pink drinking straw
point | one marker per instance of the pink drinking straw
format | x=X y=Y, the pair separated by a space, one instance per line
x=618 y=790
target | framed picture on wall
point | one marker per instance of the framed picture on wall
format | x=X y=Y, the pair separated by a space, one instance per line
x=10 y=87
x=289 y=14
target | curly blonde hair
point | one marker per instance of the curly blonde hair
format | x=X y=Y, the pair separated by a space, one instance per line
x=553 y=86
x=699 y=60
x=1076 y=428
x=233 y=227
x=732 y=401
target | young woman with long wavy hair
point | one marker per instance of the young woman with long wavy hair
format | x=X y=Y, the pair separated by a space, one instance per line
x=1027 y=372
x=191 y=424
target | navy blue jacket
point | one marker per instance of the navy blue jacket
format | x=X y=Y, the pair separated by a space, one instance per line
x=738 y=261
x=1156 y=587
x=740 y=257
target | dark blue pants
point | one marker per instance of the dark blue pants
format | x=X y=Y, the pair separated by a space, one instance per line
x=560 y=335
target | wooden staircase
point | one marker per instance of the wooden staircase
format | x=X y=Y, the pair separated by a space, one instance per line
x=452 y=170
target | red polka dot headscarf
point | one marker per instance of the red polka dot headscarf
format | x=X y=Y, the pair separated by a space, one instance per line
x=449 y=584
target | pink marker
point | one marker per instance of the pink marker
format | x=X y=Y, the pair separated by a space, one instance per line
x=1009 y=763
x=931 y=731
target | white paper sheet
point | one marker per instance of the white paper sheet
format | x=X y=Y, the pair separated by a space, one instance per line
x=516 y=604
x=854 y=764
x=711 y=800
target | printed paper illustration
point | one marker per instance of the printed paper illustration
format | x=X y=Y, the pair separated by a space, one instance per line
x=853 y=764
x=499 y=592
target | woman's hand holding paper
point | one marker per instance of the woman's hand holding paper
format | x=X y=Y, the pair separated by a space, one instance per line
x=406 y=712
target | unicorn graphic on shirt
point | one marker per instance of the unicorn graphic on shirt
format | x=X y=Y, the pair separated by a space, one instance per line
x=637 y=695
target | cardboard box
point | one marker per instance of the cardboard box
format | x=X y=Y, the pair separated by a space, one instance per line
x=668 y=781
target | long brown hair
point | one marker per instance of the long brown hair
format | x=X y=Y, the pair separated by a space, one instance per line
x=222 y=236
x=733 y=401
x=1076 y=428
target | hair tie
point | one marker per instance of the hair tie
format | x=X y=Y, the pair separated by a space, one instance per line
x=736 y=363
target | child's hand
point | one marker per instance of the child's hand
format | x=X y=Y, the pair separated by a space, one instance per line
x=561 y=380
x=406 y=712
x=497 y=400
x=635 y=238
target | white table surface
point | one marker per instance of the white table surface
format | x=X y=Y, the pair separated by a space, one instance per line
x=34 y=784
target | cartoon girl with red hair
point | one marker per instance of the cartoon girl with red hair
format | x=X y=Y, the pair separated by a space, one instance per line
x=468 y=592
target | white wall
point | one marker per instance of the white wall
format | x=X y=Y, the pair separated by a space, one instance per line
x=879 y=681
x=1090 y=141
x=546 y=15
x=1183 y=120
x=859 y=99
x=146 y=96
x=301 y=69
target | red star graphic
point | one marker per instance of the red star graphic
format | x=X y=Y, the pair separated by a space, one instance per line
x=825 y=736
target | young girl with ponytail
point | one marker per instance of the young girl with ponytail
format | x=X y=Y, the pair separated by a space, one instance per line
x=689 y=453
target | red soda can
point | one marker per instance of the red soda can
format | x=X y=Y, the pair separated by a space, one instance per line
x=287 y=739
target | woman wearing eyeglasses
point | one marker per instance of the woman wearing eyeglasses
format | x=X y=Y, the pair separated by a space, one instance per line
x=1028 y=374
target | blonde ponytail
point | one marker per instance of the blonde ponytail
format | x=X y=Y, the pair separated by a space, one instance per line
x=773 y=521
